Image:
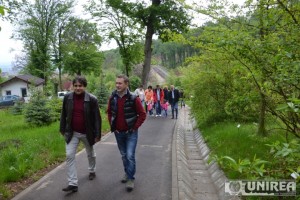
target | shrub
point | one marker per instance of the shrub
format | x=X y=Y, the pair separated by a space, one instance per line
x=37 y=113
x=18 y=108
x=102 y=96
x=55 y=105
x=134 y=82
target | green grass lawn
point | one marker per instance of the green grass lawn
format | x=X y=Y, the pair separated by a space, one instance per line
x=25 y=150
x=226 y=139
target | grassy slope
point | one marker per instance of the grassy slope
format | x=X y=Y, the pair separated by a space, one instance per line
x=226 y=139
x=25 y=150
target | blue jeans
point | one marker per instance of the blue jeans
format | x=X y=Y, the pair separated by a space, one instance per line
x=158 y=108
x=174 y=106
x=127 y=143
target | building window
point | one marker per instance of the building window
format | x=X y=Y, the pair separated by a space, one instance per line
x=24 y=92
x=8 y=92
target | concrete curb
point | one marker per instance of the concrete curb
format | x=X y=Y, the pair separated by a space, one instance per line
x=192 y=177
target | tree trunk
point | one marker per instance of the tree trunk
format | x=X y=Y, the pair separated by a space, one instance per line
x=60 y=58
x=59 y=79
x=148 y=53
x=127 y=70
x=263 y=103
x=262 y=116
x=148 y=43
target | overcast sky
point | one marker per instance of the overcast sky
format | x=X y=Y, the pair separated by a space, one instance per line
x=9 y=48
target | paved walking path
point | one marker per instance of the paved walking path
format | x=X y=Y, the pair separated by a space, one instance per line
x=153 y=176
x=171 y=164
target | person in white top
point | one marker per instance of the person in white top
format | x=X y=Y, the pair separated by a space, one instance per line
x=140 y=92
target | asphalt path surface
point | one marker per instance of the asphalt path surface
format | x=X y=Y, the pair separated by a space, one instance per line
x=153 y=172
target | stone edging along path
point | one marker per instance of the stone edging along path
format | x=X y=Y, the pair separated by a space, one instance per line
x=192 y=177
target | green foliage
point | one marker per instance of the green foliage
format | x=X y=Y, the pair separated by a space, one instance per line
x=80 y=48
x=284 y=164
x=286 y=156
x=113 y=60
x=251 y=169
x=172 y=54
x=161 y=17
x=55 y=106
x=50 y=90
x=97 y=85
x=2 y=9
x=110 y=80
x=134 y=82
x=37 y=112
x=18 y=108
x=105 y=123
x=24 y=150
x=93 y=83
x=35 y=22
x=2 y=13
x=123 y=30
x=157 y=15
x=292 y=106
x=174 y=79
x=210 y=86
x=241 y=68
x=251 y=158
x=102 y=95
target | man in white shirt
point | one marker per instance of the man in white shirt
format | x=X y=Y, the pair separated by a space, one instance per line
x=140 y=92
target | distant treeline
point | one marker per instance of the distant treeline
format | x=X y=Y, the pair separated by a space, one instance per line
x=167 y=54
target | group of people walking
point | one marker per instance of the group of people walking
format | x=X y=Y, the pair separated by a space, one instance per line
x=126 y=111
x=159 y=99
x=81 y=121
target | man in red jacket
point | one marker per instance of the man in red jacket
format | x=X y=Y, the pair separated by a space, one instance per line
x=126 y=114
x=158 y=97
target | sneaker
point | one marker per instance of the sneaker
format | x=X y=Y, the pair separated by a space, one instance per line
x=72 y=188
x=92 y=175
x=124 y=179
x=130 y=185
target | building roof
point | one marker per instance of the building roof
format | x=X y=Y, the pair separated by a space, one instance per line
x=67 y=85
x=30 y=79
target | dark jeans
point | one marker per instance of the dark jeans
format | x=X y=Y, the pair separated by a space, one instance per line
x=182 y=103
x=127 y=143
x=158 y=108
x=174 y=107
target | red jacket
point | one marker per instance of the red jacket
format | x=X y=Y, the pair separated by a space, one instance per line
x=161 y=94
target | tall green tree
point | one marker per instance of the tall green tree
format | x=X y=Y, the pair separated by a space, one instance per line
x=172 y=53
x=35 y=22
x=112 y=60
x=125 y=31
x=81 y=43
x=263 y=42
x=57 y=44
x=159 y=17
